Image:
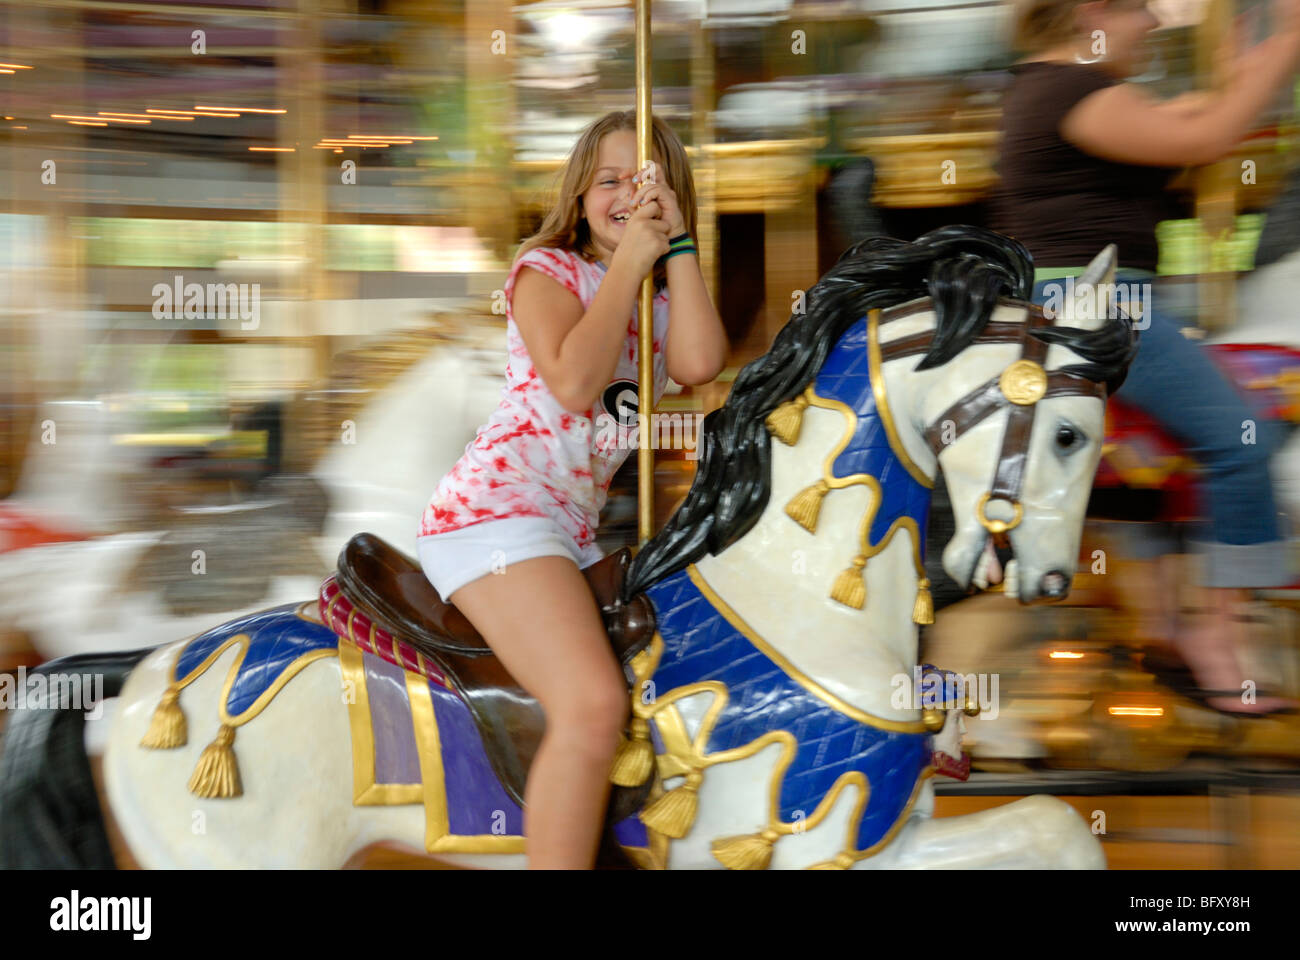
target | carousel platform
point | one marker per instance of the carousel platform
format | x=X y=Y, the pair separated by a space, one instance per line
x=1211 y=816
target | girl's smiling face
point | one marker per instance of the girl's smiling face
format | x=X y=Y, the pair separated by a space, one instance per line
x=607 y=204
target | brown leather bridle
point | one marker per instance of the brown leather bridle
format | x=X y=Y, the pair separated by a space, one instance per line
x=1019 y=387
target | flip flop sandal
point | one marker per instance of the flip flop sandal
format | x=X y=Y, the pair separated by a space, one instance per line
x=1172 y=671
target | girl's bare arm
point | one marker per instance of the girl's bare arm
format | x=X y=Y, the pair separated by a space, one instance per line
x=696 y=350
x=1122 y=123
x=575 y=353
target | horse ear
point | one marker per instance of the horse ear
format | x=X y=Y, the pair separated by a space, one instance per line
x=1094 y=291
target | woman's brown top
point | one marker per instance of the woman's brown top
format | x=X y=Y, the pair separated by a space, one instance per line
x=1061 y=203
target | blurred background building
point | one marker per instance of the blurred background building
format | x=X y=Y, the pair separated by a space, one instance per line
x=214 y=140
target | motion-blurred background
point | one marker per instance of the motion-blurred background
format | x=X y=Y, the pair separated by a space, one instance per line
x=357 y=174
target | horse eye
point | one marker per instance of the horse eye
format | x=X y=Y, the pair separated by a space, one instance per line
x=1067 y=437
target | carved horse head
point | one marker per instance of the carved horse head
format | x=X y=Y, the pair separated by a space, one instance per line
x=962 y=372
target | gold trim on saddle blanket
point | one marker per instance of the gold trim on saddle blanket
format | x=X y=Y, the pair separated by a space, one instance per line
x=309 y=610
x=432 y=789
x=264 y=698
x=438 y=837
x=216 y=775
x=365 y=790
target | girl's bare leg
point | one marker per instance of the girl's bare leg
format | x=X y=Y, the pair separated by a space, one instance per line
x=540 y=618
x=1209 y=645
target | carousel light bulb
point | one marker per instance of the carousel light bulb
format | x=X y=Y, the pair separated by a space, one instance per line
x=1126 y=711
x=570 y=31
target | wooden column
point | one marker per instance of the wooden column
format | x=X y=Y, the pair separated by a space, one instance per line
x=303 y=207
x=1216 y=183
x=789 y=236
x=489 y=108
x=703 y=168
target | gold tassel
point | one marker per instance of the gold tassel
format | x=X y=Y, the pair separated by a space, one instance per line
x=850 y=586
x=746 y=852
x=635 y=758
x=167 y=728
x=923 y=611
x=217 y=774
x=673 y=814
x=784 y=422
x=806 y=504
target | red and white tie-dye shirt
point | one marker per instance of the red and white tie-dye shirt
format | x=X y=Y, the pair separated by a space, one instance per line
x=533 y=458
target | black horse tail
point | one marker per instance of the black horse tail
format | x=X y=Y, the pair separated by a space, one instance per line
x=49 y=812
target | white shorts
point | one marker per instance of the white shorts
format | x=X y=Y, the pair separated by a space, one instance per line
x=452 y=559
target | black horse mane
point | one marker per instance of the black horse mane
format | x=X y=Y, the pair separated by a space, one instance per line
x=964 y=269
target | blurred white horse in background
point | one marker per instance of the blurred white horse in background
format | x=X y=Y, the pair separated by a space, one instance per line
x=75 y=597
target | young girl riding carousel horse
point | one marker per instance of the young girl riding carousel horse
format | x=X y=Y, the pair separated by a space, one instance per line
x=508 y=528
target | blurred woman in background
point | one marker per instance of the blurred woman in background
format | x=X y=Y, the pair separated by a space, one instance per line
x=1085 y=158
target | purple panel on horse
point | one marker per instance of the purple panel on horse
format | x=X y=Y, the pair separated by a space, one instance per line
x=631 y=832
x=474 y=795
x=396 y=757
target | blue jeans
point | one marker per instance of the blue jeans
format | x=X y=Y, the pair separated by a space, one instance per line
x=1173 y=380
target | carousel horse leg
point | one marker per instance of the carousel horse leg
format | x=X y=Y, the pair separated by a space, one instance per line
x=1035 y=833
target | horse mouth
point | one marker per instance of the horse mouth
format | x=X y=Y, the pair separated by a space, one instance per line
x=994 y=564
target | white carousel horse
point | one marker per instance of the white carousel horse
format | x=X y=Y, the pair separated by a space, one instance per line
x=73 y=597
x=1268 y=315
x=766 y=724
x=408 y=437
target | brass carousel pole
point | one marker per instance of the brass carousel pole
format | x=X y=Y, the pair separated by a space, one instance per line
x=645 y=321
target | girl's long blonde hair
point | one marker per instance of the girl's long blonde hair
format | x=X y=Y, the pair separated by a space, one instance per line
x=566 y=226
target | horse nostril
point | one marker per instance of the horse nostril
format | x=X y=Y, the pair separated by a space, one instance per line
x=1054 y=585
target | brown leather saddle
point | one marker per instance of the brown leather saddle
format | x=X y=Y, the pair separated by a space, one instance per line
x=392 y=590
